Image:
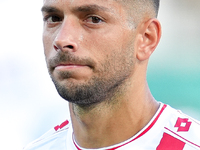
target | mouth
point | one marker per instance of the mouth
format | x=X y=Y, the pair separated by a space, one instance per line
x=69 y=66
x=67 y=61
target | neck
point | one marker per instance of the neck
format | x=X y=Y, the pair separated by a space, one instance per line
x=98 y=126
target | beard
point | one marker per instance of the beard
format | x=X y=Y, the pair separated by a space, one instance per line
x=98 y=88
x=94 y=92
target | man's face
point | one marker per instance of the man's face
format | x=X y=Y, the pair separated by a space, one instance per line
x=88 y=48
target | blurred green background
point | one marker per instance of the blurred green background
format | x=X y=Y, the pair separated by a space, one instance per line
x=174 y=69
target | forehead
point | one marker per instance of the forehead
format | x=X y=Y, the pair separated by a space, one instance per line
x=110 y=4
x=71 y=1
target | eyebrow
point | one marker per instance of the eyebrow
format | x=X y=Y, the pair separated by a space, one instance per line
x=85 y=8
x=90 y=8
x=49 y=9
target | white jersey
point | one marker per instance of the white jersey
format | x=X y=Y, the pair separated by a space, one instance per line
x=169 y=129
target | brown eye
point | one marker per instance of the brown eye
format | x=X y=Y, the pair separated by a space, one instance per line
x=52 y=19
x=94 y=20
x=55 y=19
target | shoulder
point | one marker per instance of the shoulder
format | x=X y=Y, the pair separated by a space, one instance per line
x=182 y=123
x=58 y=134
x=181 y=128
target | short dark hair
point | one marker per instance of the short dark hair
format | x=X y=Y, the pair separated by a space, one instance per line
x=140 y=9
x=148 y=5
x=156 y=5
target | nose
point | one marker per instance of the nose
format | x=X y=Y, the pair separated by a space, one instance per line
x=65 y=39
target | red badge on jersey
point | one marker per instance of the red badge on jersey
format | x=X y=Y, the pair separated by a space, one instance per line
x=62 y=125
x=183 y=124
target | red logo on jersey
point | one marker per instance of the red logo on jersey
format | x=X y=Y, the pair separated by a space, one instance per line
x=183 y=124
x=62 y=125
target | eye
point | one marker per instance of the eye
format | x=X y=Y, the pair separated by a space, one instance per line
x=52 y=19
x=94 y=20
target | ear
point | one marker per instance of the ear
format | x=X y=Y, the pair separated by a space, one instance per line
x=147 y=39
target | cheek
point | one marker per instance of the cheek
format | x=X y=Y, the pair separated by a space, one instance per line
x=102 y=44
x=110 y=44
x=113 y=51
x=48 y=44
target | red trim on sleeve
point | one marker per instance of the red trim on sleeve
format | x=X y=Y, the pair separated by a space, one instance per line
x=169 y=142
x=183 y=138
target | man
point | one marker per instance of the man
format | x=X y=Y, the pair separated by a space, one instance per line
x=97 y=53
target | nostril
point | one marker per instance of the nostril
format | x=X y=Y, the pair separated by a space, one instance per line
x=65 y=47
x=70 y=46
x=56 y=48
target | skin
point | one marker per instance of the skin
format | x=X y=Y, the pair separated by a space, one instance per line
x=112 y=47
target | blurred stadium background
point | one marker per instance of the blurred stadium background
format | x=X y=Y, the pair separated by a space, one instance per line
x=29 y=103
